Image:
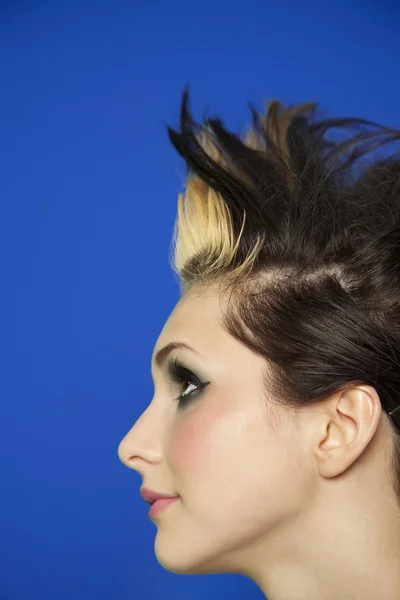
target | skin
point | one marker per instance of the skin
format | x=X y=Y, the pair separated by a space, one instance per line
x=300 y=503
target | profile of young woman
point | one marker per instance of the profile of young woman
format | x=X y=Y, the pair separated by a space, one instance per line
x=271 y=446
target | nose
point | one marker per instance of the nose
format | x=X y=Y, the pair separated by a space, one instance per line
x=142 y=444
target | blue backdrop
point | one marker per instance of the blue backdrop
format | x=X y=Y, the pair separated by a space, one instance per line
x=89 y=184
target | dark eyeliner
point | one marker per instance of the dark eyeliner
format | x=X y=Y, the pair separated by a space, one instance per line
x=178 y=373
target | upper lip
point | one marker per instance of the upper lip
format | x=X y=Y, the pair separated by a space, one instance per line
x=150 y=496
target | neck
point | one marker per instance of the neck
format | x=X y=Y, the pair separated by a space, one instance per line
x=353 y=554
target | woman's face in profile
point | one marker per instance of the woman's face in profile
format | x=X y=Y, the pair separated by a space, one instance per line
x=234 y=459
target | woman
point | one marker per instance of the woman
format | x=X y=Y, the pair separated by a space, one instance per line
x=275 y=423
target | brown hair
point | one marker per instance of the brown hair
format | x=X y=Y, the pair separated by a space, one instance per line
x=306 y=238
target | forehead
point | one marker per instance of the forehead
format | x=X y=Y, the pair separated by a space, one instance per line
x=195 y=319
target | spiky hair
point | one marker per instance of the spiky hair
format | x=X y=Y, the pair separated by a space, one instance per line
x=281 y=194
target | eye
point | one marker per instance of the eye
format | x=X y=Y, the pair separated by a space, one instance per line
x=191 y=385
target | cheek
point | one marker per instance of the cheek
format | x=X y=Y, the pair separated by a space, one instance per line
x=191 y=444
x=211 y=442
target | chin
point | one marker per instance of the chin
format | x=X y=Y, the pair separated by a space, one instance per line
x=184 y=560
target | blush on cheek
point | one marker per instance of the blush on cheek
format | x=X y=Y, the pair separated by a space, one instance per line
x=192 y=444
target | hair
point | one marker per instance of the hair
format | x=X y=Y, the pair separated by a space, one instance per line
x=306 y=238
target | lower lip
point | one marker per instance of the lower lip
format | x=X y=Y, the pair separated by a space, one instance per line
x=160 y=505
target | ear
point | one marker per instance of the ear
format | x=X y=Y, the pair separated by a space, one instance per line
x=347 y=425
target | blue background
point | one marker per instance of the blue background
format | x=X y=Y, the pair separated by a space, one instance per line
x=88 y=189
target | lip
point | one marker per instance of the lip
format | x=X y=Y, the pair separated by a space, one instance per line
x=159 y=502
x=151 y=496
x=160 y=505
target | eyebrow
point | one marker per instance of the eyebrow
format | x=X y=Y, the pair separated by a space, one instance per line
x=162 y=354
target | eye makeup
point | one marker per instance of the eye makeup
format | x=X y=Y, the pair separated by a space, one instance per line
x=181 y=375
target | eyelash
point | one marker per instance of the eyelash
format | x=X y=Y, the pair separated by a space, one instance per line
x=180 y=374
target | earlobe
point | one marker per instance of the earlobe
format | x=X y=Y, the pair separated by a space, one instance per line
x=351 y=419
